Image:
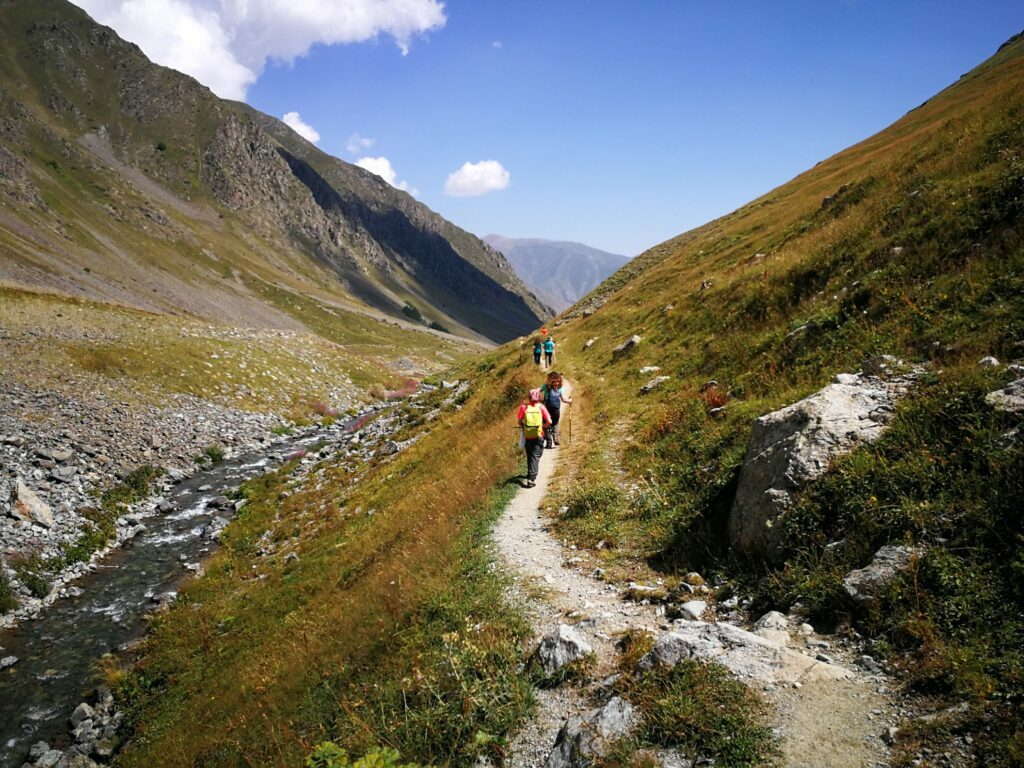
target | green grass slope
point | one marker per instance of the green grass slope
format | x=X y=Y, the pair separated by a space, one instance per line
x=906 y=244
x=125 y=181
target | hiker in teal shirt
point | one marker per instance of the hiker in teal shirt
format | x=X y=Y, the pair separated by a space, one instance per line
x=549 y=351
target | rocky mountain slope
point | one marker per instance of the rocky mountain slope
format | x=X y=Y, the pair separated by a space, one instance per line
x=560 y=272
x=124 y=181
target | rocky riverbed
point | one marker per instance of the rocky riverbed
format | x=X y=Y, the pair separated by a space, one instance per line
x=59 y=452
x=49 y=659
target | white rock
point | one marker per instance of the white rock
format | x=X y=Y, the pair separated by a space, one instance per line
x=25 y=505
x=693 y=609
x=561 y=648
x=796 y=444
x=654 y=383
x=865 y=584
x=742 y=652
x=582 y=739
x=989 y=362
x=1010 y=398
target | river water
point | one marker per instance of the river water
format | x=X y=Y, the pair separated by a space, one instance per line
x=58 y=651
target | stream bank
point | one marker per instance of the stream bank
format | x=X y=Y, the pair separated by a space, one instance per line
x=55 y=652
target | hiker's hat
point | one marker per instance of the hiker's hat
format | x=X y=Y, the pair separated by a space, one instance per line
x=534 y=395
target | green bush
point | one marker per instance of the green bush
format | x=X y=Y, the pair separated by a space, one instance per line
x=212 y=453
x=330 y=755
x=412 y=313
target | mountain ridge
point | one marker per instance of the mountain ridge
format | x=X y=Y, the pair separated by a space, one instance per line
x=132 y=182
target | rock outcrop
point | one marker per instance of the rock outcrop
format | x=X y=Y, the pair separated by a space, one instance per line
x=743 y=653
x=582 y=740
x=561 y=648
x=794 y=445
x=1010 y=398
x=865 y=584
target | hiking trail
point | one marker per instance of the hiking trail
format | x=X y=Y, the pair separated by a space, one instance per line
x=820 y=721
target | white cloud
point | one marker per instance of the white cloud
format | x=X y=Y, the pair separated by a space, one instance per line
x=383 y=168
x=301 y=127
x=497 y=44
x=475 y=179
x=357 y=145
x=226 y=43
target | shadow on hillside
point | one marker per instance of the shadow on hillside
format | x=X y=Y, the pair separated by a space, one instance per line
x=704 y=543
x=478 y=300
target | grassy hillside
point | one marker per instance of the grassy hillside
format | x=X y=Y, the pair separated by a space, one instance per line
x=124 y=181
x=907 y=244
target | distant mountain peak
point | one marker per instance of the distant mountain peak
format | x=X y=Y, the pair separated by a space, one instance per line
x=561 y=272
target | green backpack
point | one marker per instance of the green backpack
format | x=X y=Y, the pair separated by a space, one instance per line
x=533 y=422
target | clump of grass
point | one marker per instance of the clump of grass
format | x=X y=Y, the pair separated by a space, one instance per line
x=211 y=453
x=702 y=711
x=8 y=601
x=34 y=573
x=329 y=755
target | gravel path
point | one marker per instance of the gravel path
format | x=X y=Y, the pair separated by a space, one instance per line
x=835 y=723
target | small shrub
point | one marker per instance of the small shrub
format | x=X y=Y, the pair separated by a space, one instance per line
x=713 y=397
x=412 y=313
x=438 y=327
x=213 y=453
x=161 y=146
x=8 y=602
x=330 y=755
x=34 y=574
x=323 y=409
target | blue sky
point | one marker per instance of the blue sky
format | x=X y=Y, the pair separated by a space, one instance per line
x=618 y=124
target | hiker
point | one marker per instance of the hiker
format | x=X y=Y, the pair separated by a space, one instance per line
x=553 y=397
x=549 y=351
x=533 y=418
x=538 y=347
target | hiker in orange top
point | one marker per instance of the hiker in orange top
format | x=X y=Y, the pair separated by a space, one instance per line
x=533 y=419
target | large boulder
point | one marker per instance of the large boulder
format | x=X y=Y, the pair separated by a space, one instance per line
x=794 y=445
x=583 y=740
x=561 y=648
x=745 y=654
x=25 y=505
x=865 y=584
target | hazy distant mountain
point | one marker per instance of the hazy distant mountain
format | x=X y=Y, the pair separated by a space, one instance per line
x=559 y=272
